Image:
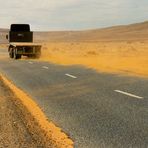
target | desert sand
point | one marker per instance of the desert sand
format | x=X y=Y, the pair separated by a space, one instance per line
x=124 y=57
x=117 y=49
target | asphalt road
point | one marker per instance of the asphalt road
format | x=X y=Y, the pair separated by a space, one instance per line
x=97 y=110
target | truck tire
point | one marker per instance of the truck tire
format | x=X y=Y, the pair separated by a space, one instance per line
x=11 y=53
x=16 y=56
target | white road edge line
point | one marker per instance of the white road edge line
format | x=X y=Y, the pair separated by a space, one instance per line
x=45 y=67
x=74 y=77
x=128 y=94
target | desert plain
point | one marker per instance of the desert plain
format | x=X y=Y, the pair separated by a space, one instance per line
x=124 y=57
x=120 y=49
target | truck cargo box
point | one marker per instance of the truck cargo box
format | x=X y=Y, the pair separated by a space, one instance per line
x=21 y=42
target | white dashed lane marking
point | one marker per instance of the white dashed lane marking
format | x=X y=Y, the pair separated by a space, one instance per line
x=129 y=94
x=69 y=75
x=45 y=67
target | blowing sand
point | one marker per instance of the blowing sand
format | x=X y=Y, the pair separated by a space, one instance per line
x=124 y=57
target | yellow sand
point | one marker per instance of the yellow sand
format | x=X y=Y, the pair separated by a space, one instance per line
x=42 y=130
x=126 y=57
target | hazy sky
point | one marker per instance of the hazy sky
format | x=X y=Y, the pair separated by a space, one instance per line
x=72 y=14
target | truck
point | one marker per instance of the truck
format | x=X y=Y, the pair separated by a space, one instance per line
x=21 y=43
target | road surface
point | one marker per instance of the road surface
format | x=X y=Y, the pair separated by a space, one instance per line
x=97 y=110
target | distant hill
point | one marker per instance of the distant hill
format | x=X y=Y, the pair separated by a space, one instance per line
x=138 y=31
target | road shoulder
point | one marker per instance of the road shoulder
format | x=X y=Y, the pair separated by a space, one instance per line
x=13 y=132
x=41 y=129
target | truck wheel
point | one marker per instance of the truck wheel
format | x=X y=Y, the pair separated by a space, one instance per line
x=11 y=53
x=16 y=56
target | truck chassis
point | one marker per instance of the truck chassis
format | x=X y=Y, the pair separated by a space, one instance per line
x=17 y=50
